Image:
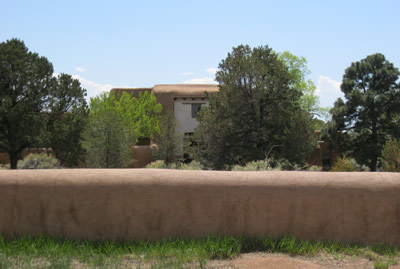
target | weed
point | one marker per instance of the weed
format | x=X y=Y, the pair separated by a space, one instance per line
x=42 y=251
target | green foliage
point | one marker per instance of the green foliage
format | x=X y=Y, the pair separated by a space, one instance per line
x=194 y=165
x=256 y=109
x=361 y=124
x=114 y=126
x=298 y=71
x=314 y=168
x=169 y=141
x=66 y=120
x=267 y=165
x=160 y=164
x=24 y=87
x=345 y=164
x=25 y=252
x=108 y=136
x=39 y=161
x=37 y=109
x=391 y=155
x=142 y=114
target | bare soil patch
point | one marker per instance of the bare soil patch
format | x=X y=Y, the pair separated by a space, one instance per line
x=272 y=260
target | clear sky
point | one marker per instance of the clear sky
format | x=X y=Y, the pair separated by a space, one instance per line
x=116 y=43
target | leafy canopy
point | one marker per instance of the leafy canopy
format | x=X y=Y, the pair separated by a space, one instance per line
x=115 y=124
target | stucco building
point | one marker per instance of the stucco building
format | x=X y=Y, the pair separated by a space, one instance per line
x=185 y=100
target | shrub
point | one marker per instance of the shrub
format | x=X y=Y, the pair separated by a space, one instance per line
x=39 y=161
x=345 y=164
x=314 y=168
x=4 y=166
x=260 y=165
x=391 y=155
x=157 y=164
x=267 y=165
x=194 y=165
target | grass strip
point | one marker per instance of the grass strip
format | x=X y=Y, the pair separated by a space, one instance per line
x=45 y=252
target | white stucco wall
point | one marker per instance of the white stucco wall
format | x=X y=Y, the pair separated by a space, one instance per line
x=183 y=114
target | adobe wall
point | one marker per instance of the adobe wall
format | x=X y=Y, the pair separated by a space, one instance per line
x=155 y=203
x=142 y=155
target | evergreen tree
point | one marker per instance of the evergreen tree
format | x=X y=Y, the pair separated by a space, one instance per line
x=169 y=142
x=257 y=109
x=360 y=124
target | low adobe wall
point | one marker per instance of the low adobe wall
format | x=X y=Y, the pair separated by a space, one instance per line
x=154 y=204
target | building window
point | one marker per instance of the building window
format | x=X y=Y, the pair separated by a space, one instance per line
x=195 y=108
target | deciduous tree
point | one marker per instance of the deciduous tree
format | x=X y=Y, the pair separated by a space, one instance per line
x=115 y=124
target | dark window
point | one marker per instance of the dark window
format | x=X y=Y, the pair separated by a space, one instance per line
x=195 y=108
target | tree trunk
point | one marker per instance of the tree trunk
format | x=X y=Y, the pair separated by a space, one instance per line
x=374 y=161
x=13 y=159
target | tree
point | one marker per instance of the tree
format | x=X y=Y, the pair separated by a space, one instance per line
x=169 y=142
x=67 y=115
x=37 y=109
x=297 y=67
x=255 y=113
x=25 y=78
x=362 y=122
x=391 y=155
x=114 y=125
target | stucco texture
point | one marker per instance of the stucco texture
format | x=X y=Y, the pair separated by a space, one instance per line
x=155 y=204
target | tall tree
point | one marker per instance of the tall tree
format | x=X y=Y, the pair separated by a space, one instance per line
x=370 y=113
x=67 y=115
x=255 y=110
x=25 y=78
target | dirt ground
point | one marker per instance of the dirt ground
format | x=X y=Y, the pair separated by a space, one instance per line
x=267 y=260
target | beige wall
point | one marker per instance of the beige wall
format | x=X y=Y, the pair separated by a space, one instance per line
x=151 y=203
x=183 y=114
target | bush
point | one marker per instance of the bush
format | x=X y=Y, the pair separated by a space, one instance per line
x=4 y=166
x=39 y=161
x=314 y=168
x=345 y=164
x=267 y=165
x=194 y=165
x=157 y=164
x=391 y=155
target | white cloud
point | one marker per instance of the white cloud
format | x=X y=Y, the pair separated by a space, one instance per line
x=328 y=91
x=205 y=80
x=187 y=73
x=80 y=69
x=211 y=70
x=93 y=88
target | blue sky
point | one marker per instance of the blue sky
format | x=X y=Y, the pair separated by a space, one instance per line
x=109 y=44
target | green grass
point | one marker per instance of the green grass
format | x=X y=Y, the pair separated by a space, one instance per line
x=44 y=252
